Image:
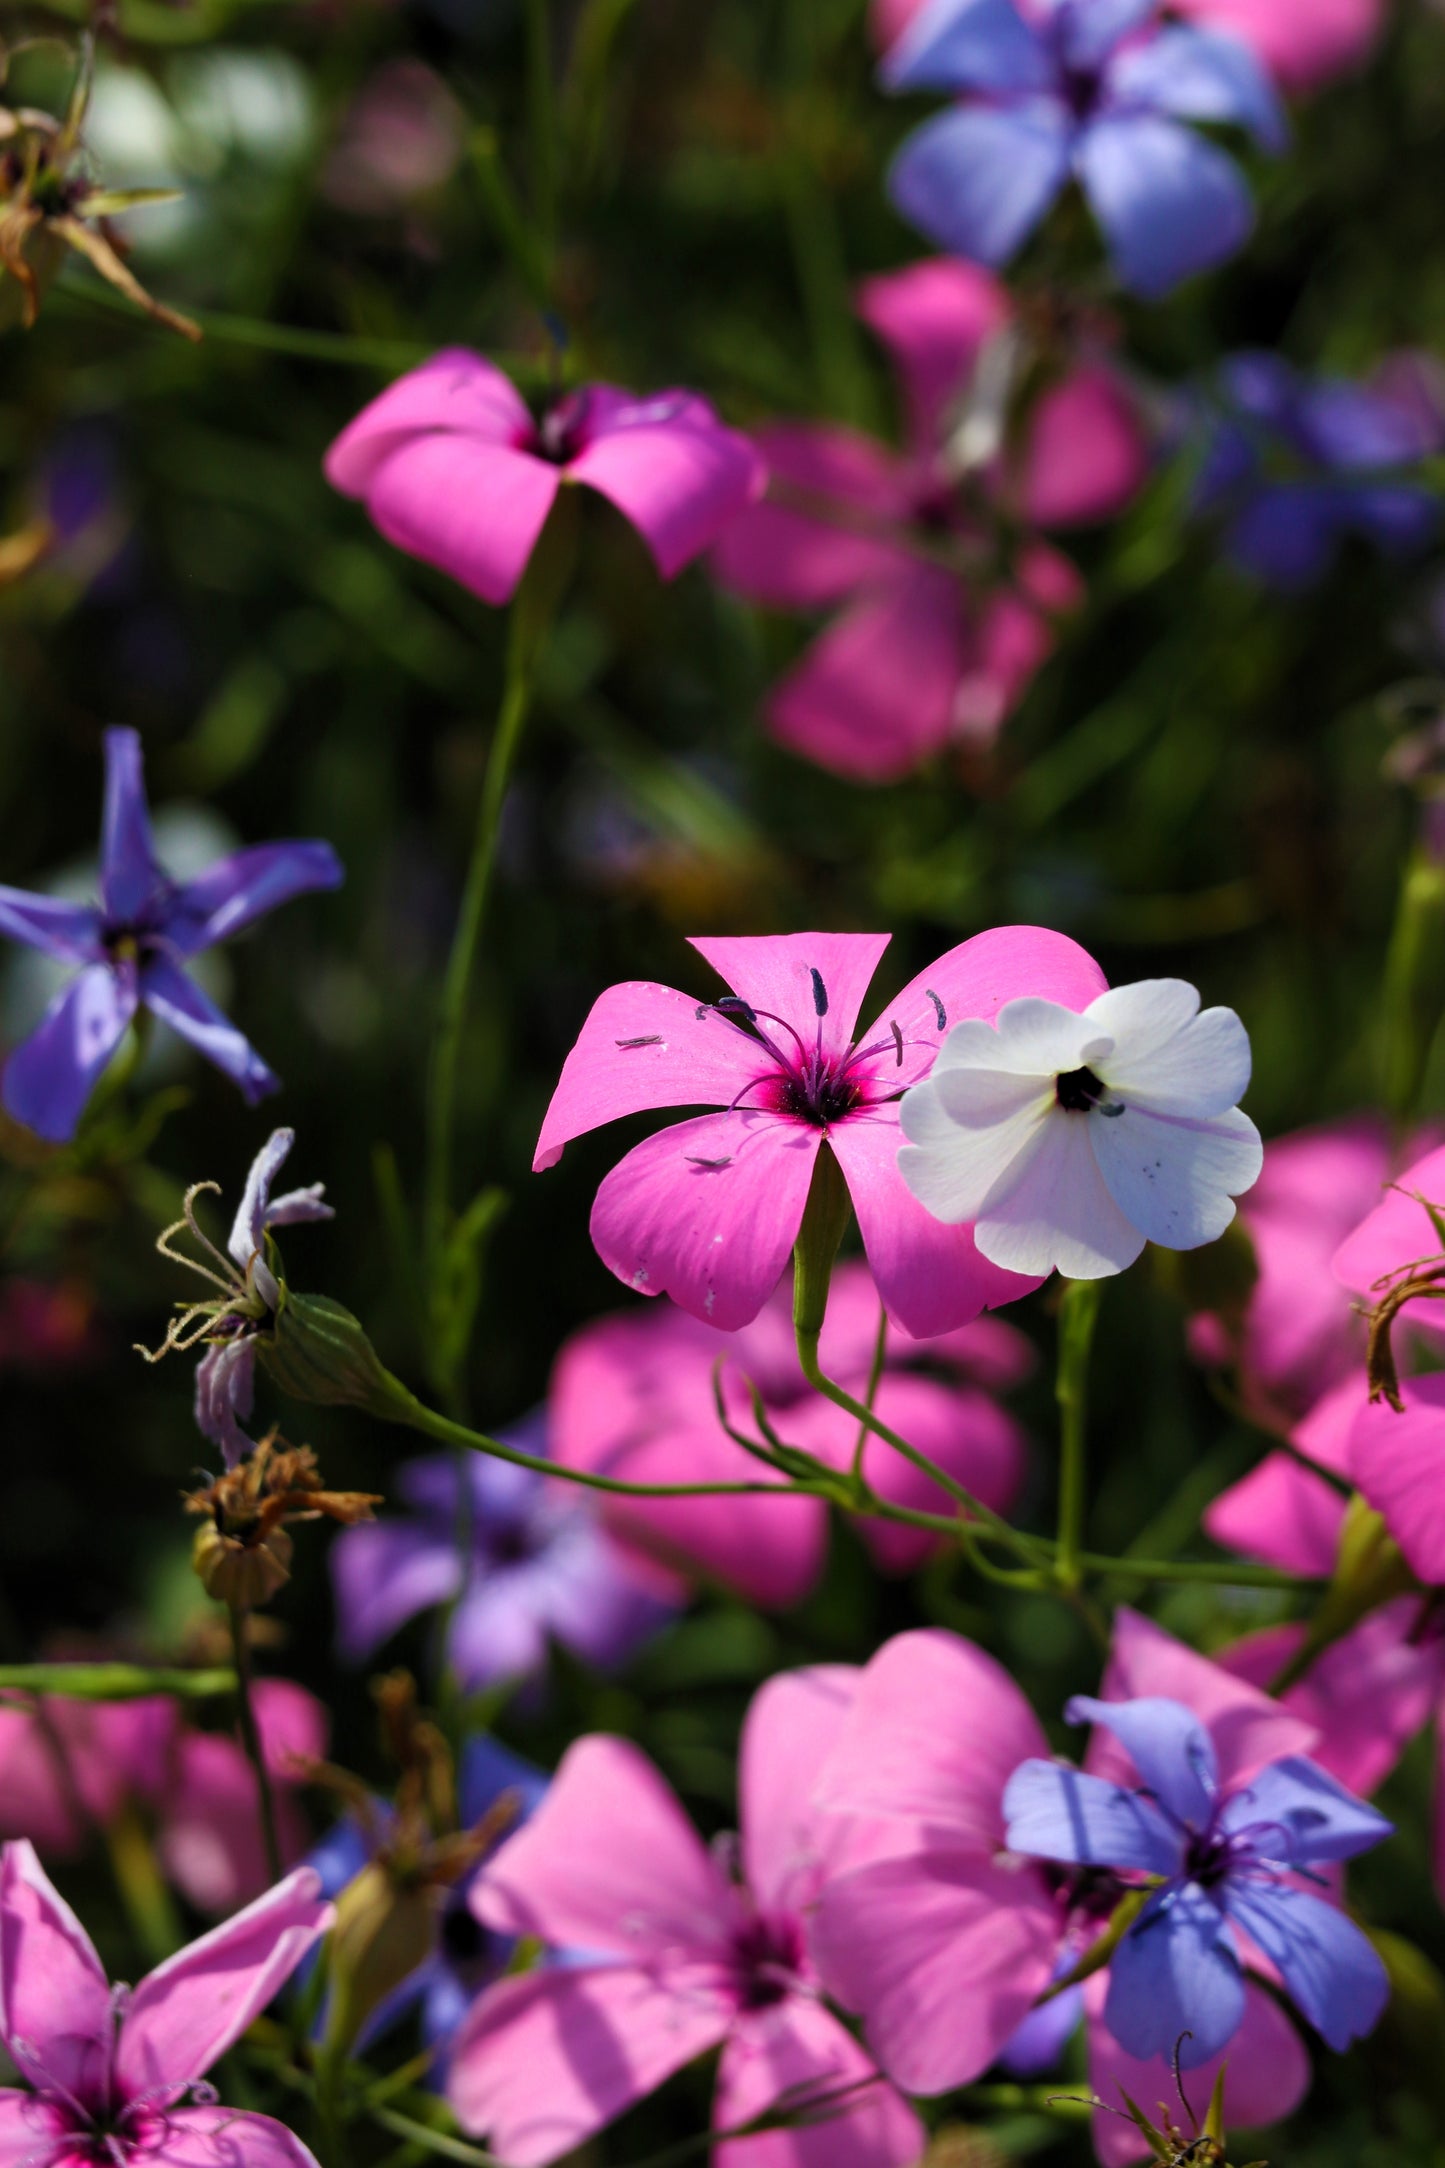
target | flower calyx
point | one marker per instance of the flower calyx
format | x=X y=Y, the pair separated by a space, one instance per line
x=243 y=1553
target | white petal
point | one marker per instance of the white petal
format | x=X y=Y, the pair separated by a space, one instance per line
x=1031 y=1037
x=1176 y=1180
x=1054 y=1212
x=951 y=1166
x=1141 y=1017
x=1168 y=1057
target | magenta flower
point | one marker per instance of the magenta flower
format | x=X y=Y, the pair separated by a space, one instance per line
x=117 y=2074
x=694 y=1949
x=1281 y=1514
x=130 y=949
x=918 y=659
x=632 y=1396
x=708 y=1210
x=455 y=470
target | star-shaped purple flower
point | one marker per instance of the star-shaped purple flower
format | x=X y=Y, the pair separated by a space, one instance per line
x=1088 y=90
x=1218 y=1861
x=131 y=947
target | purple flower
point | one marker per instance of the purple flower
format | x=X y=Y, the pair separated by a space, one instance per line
x=1220 y=1860
x=131 y=946
x=1294 y=466
x=521 y=1561
x=1091 y=90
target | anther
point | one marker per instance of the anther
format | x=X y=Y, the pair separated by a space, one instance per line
x=653 y=1039
x=820 y=991
x=897 y=1039
x=938 y=1009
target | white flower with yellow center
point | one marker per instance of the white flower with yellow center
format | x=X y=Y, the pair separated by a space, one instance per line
x=1072 y=1140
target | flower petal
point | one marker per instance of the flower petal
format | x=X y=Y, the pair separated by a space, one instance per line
x=798 y=2056
x=382 y=1574
x=1050 y=1208
x=179 y=1002
x=474 y=510
x=790 y=975
x=608 y=1863
x=968 y=45
x=1329 y=1967
x=942 y=1953
x=793 y=1724
x=130 y=877
x=1167 y=1744
x=1248 y=1728
x=977 y=180
x=1167 y=1056
x=935 y=319
x=34 y=2133
x=1090 y=33
x=1058 y=1813
x=1201 y=75
x=966 y=1128
x=238 y=890
x=1318 y=1817
x=646 y=1046
x=1176 y=1972
x=54 y=1996
x=785 y=552
x=1399 y=1231
x=1169 y=203
x=456 y=392
x=70 y=932
x=231 y=2138
x=209 y=1842
x=192 y=2008
x=1302 y=42
x=1087 y=453
x=672 y=469
x=1173 y=1177
x=1267 y=2075
x=248 y=1228
x=50 y=1076
x=225 y=1393
x=708 y=1212
x=980 y=978
x=543 y=2062
x=1398 y=1461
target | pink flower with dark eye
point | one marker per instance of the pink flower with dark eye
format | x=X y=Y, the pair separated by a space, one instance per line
x=922 y=657
x=454 y=468
x=707 y=1211
x=632 y=1396
x=691 y=1948
x=118 y=2074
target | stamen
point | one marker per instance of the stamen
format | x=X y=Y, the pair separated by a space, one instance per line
x=938 y=1009
x=894 y=1027
x=820 y=991
x=712 y=1165
x=653 y=1039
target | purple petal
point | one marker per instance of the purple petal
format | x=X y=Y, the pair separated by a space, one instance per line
x=968 y=45
x=1398 y=520
x=51 y=1074
x=1169 y=203
x=70 y=932
x=498 y=1631
x=488 y=1769
x=1298 y=1802
x=1329 y=1967
x=1055 y=1812
x=1089 y=30
x=1201 y=75
x=1176 y=1972
x=977 y=180
x=672 y=469
x=248 y=1229
x=238 y=890
x=129 y=875
x=225 y=1394
x=1354 y=429
x=1288 y=534
x=382 y=1575
x=1167 y=1744
x=179 y=1002
x=1039 y=2043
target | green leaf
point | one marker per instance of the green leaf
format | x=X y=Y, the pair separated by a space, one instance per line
x=114 y=1682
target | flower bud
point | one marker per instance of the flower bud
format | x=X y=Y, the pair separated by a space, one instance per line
x=320 y=1353
x=385 y=1928
x=238 y=1572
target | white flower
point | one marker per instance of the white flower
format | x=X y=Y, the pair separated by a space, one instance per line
x=1071 y=1141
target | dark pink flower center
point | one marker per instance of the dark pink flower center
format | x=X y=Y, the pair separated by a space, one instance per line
x=769 y=1955
x=811 y=1082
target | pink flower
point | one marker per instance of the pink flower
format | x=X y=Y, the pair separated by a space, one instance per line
x=69 y=1766
x=116 y=2073
x=694 y=1951
x=632 y=1396
x=707 y=1211
x=453 y=468
x=1281 y=1514
x=915 y=662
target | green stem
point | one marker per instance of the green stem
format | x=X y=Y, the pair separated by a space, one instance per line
x=875 y=1379
x=1078 y=1315
x=251 y=1741
x=1200 y=1572
x=434 y=2141
x=148 y=1903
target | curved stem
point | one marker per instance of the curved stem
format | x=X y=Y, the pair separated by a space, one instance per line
x=251 y=1740
x=1078 y=1315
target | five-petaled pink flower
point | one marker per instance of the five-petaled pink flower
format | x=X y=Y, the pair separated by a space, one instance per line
x=692 y=1951
x=454 y=469
x=921 y=655
x=117 y=2074
x=708 y=1210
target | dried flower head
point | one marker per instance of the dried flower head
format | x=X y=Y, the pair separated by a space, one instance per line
x=50 y=202
x=243 y=1554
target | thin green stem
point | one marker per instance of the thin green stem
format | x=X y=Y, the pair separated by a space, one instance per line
x=1078 y=1315
x=1205 y=1573
x=251 y=1741
x=434 y=2141
x=875 y=1379
x=148 y=1903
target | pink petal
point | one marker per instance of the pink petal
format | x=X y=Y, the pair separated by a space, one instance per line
x=293 y=1725
x=645 y=1046
x=942 y=1953
x=987 y=1352
x=54 y=1996
x=708 y=1212
x=1280 y=1513
x=229 y=2137
x=190 y=2009
x=1248 y=1729
x=1398 y=1232
x=673 y=470
x=788 y=556
x=792 y=1726
x=1437 y=1830
x=609 y=1863
x=936 y=1730
x=209 y=1841
x=34 y=2133
x=774 y=973
x=888 y=19
x=456 y=391
x=1267 y=2076
x=977 y=977
x=799 y=2054
x=1304 y=43
x=472 y=509
x=935 y=318
x=35 y=1801
x=1368 y=1695
x=1012 y=638
x=876 y=693
x=1087 y=454
x=1399 y=1464
x=96 y=1754
x=541 y=2063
